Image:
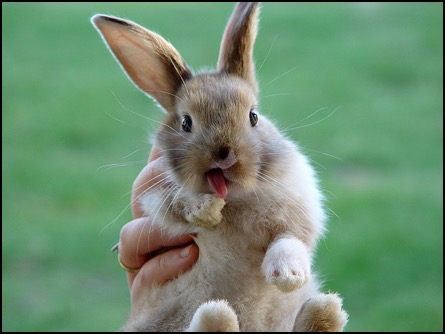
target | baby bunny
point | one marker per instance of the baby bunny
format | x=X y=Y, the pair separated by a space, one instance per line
x=247 y=193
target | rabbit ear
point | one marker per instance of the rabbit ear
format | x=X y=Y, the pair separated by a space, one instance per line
x=236 y=54
x=151 y=62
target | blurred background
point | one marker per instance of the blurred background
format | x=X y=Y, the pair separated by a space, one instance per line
x=358 y=85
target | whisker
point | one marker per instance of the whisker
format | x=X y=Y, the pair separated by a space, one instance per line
x=316 y=163
x=134 y=152
x=122 y=164
x=281 y=75
x=324 y=153
x=127 y=109
x=316 y=122
x=115 y=118
x=276 y=94
x=267 y=55
x=278 y=187
x=175 y=197
x=181 y=135
x=172 y=62
x=307 y=117
x=129 y=205
x=152 y=186
x=116 y=219
x=167 y=191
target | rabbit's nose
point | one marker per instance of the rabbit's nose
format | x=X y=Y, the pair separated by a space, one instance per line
x=225 y=157
x=223 y=152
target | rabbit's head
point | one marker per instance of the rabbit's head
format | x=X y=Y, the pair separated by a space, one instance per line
x=213 y=138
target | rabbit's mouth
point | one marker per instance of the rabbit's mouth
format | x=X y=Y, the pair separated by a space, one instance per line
x=218 y=182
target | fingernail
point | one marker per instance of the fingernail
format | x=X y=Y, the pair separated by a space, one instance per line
x=185 y=251
x=115 y=248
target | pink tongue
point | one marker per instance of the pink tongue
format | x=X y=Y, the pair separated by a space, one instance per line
x=217 y=182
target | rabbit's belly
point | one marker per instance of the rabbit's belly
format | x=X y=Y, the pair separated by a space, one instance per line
x=258 y=305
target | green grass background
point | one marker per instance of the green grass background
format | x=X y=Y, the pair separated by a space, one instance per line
x=68 y=111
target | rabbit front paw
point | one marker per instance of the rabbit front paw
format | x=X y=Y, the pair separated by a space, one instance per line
x=286 y=266
x=205 y=210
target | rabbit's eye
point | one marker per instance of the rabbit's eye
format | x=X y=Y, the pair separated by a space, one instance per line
x=186 y=123
x=253 y=118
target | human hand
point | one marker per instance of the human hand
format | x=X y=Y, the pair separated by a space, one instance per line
x=141 y=240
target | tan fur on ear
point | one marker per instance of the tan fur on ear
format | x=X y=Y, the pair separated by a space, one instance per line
x=151 y=62
x=236 y=54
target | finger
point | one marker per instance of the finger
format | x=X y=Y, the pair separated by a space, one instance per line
x=140 y=238
x=151 y=176
x=163 y=268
